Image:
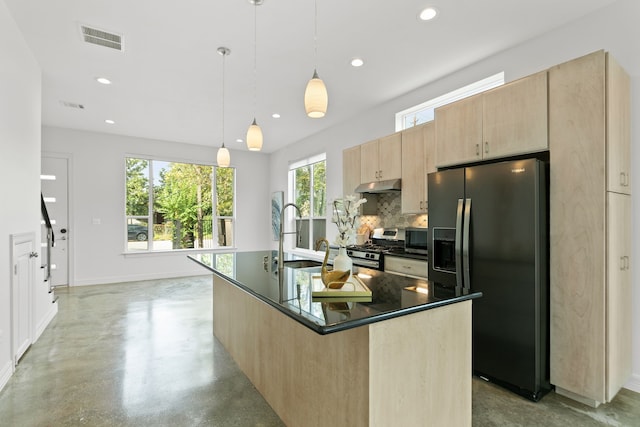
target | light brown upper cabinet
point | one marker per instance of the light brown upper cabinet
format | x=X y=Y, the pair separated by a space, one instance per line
x=381 y=159
x=350 y=169
x=418 y=152
x=459 y=131
x=590 y=225
x=505 y=121
x=618 y=129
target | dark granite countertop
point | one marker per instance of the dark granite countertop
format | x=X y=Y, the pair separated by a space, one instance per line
x=257 y=274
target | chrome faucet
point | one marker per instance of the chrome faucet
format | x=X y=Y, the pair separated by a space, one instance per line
x=282 y=233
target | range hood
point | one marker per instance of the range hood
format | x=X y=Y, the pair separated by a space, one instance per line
x=388 y=186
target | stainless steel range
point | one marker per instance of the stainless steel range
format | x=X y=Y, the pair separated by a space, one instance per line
x=383 y=241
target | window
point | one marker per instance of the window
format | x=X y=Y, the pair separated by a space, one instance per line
x=308 y=190
x=424 y=112
x=170 y=205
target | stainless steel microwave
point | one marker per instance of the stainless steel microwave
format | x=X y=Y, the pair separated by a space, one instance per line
x=415 y=240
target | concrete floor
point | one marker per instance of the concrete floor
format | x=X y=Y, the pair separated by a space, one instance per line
x=143 y=354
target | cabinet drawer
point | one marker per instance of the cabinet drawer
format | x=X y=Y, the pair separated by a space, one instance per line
x=405 y=266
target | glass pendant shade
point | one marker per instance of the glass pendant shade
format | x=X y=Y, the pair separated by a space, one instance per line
x=254 y=137
x=224 y=158
x=315 y=97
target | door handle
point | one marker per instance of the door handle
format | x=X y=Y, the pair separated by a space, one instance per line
x=465 y=244
x=458 y=243
x=486 y=147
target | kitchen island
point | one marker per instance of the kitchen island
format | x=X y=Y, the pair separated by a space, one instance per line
x=402 y=358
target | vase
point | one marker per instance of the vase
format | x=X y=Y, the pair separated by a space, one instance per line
x=342 y=262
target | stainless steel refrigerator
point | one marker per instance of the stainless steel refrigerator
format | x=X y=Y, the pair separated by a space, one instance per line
x=489 y=233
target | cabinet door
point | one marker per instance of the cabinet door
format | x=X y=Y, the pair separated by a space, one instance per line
x=369 y=162
x=459 y=131
x=350 y=169
x=409 y=267
x=618 y=128
x=515 y=117
x=577 y=227
x=619 y=318
x=390 y=157
x=430 y=157
x=413 y=170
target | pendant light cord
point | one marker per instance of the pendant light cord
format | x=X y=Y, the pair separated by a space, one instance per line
x=255 y=60
x=315 y=33
x=224 y=54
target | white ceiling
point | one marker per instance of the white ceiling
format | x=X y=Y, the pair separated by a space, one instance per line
x=167 y=83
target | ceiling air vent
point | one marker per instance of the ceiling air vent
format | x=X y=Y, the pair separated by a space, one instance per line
x=101 y=38
x=72 y=105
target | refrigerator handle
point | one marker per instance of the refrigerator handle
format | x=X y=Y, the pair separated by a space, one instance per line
x=459 y=244
x=465 y=244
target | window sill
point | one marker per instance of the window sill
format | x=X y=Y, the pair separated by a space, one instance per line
x=179 y=252
x=307 y=253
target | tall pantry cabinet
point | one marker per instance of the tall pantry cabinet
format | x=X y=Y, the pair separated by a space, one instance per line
x=590 y=228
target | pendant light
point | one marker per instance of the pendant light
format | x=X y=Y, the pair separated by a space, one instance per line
x=223 y=158
x=315 y=95
x=254 y=133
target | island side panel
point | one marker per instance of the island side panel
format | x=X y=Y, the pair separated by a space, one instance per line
x=307 y=378
x=420 y=368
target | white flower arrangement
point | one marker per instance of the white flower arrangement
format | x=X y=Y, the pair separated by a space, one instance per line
x=345 y=218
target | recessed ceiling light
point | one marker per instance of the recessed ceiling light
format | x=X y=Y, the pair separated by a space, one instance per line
x=239 y=140
x=428 y=13
x=275 y=115
x=357 y=62
x=109 y=122
x=103 y=80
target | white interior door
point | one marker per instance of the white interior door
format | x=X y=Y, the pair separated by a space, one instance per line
x=23 y=261
x=55 y=190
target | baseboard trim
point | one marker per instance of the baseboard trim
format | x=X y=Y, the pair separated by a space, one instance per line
x=578 y=398
x=42 y=325
x=137 y=278
x=5 y=374
x=634 y=383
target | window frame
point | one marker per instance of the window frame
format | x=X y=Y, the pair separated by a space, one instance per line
x=214 y=217
x=474 y=88
x=307 y=161
x=214 y=201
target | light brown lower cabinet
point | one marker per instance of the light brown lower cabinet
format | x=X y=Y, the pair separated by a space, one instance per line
x=413 y=370
x=409 y=267
x=619 y=295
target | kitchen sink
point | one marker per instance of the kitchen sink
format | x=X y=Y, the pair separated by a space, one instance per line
x=302 y=263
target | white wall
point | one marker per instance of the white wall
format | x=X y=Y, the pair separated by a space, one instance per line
x=97 y=191
x=19 y=175
x=613 y=29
